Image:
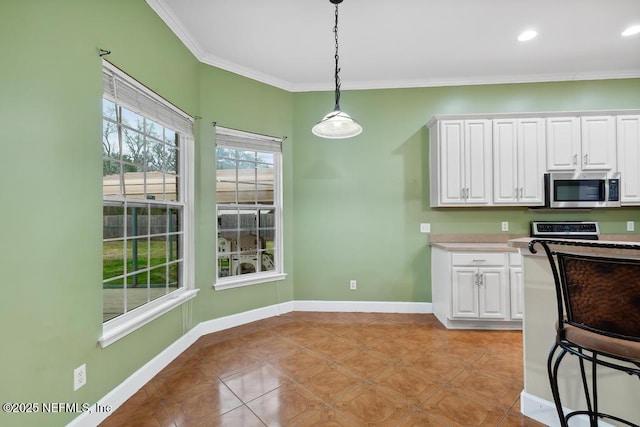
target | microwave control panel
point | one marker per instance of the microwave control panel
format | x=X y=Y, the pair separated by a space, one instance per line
x=614 y=190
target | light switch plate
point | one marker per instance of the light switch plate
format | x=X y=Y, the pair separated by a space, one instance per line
x=631 y=226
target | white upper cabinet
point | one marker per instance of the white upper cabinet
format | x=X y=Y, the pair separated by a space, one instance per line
x=628 y=138
x=519 y=162
x=599 y=143
x=500 y=159
x=563 y=143
x=461 y=163
x=581 y=144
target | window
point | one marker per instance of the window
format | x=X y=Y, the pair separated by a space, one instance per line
x=248 y=202
x=146 y=193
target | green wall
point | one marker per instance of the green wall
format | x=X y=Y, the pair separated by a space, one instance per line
x=351 y=207
x=51 y=246
x=359 y=202
x=235 y=102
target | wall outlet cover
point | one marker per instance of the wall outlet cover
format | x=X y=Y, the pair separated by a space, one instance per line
x=79 y=376
x=425 y=227
x=505 y=225
x=631 y=226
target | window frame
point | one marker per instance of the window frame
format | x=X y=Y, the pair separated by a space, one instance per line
x=247 y=141
x=141 y=100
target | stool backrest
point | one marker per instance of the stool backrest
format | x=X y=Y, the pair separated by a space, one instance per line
x=601 y=294
x=596 y=292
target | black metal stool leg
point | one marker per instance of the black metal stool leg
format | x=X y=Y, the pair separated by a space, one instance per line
x=552 y=370
x=593 y=419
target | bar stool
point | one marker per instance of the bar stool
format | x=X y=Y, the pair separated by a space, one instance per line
x=598 y=302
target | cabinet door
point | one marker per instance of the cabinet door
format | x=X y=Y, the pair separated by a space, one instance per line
x=505 y=165
x=598 y=143
x=563 y=143
x=478 y=162
x=492 y=292
x=531 y=159
x=517 y=293
x=464 y=292
x=452 y=178
x=628 y=137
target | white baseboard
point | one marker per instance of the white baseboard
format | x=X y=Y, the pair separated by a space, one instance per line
x=364 y=306
x=544 y=412
x=138 y=379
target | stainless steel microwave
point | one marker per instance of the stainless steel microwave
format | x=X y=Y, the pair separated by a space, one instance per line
x=582 y=190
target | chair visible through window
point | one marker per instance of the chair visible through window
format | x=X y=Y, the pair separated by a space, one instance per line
x=598 y=303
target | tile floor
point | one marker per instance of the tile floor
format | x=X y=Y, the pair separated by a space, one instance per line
x=337 y=369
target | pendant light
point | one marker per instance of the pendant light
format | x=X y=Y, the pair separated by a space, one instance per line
x=337 y=124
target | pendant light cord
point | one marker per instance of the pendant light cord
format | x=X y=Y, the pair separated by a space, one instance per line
x=337 y=77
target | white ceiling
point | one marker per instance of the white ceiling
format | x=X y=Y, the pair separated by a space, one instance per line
x=408 y=43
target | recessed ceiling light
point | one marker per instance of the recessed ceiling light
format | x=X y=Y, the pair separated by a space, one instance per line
x=527 y=35
x=631 y=31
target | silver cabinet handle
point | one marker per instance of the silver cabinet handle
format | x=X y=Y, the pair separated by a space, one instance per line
x=478 y=260
x=521 y=192
x=575 y=159
x=477 y=279
x=516 y=192
x=586 y=159
x=481 y=279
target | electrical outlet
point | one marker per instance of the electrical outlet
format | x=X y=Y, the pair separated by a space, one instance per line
x=353 y=285
x=505 y=225
x=425 y=227
x=630 y=226
x=79 y=376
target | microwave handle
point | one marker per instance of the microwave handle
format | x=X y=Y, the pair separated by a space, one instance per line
x=604 y=190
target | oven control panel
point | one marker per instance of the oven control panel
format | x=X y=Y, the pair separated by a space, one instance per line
x=565 y=229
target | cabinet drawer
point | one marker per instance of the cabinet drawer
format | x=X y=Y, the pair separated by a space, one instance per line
x=478 y=259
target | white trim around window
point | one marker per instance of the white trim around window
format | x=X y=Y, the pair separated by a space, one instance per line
x=126 y=91
x=247 y=142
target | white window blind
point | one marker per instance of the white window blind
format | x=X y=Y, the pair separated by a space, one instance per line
x=131 y=94
x=233 y=138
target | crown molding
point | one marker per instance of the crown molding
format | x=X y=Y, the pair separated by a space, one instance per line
x=178 y=28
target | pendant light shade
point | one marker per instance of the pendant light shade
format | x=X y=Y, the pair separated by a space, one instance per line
x=337 y=124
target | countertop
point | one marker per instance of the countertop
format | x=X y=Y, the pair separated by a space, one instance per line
x=473 y=242
x=523 y=243
x=474 y=247
x=514 y=242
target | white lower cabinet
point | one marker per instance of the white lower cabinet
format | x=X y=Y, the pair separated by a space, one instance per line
x=474 y=290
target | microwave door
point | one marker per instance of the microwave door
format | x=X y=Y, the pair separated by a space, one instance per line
x=578 y=193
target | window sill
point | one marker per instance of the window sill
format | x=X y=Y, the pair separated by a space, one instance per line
x=121 y=326
x=255 y=279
